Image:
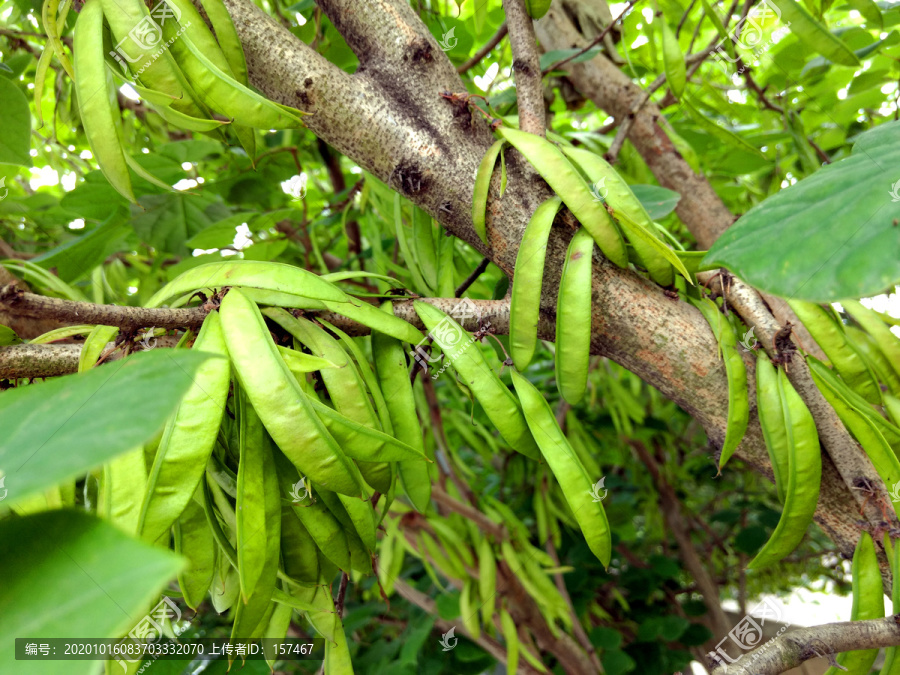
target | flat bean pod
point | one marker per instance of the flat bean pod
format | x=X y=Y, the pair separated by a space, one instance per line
x=498 y=402
x=94 y=344
x=282 y=406
x=393 y=377
x=804 y=475
x=891 y=661
x=189 y=436
x=375 y=319
x=227 y=37
x=194 y=540
x=837 y=388
x=568 y=470
x=324 y=529
x=98 y=109
x=298 y=550
x=868 y=603
x=250 y=506
x=655 y=256
x=871 y=321
x=249 y=618
x=525 y=300
x=736 y=373
x=845 y=359
x=673 y=59
x=159 y=72
x=563 y=178
x=228 y=97
x=482 y=185
x=264 y=275
x=573 y=318
x=771 y=420
x=884 y=459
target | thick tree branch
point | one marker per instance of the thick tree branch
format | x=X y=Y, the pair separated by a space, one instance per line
x=21 y=361
x=526 y=68
x=791 y=649
x=17 y=302
x=485 y=50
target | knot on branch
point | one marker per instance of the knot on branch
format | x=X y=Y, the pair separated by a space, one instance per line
x=11 y=294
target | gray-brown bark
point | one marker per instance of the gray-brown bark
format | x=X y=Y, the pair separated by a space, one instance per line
x=796 y=646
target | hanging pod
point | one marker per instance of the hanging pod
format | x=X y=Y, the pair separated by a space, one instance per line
x=573 y=318
x=576 y=485
x=525 y=300
x=868 y=603
x=804 y=473
x=736 y=373
x=564 y=179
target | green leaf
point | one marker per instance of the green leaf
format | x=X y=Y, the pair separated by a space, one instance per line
x=813 y=34
x=8 y=336
x=723 y=134
x=830 y=236
x=870 y=11
x=80 y=255
x=68 y=574
x=15 y=120
x=617 y=662
x=61 y=428
x=171 y=219
x=657 y=201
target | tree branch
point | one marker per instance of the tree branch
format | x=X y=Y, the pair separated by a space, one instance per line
x=17 y=302
x=485 y=50
x=791 y=649
x=21 y=361
x=429 y=606
x=526 y=68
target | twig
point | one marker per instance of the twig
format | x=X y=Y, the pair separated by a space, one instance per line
x=429 y=606
x=473 y=277
x=342 y=591
x=16 y=301
x=485 y=50
x=593 y=43
x=672 y=512
x=616 y=147
x=580 y=634
x=788 y=651
x=484 y=523
x=526 y=68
